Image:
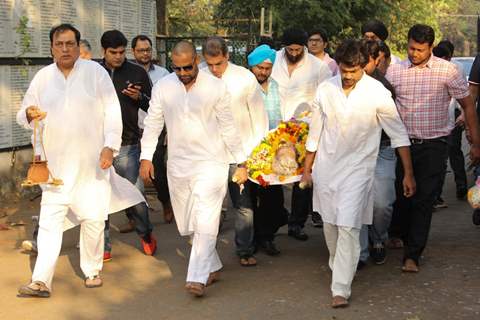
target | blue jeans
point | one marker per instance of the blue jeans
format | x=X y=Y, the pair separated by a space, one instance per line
x=383 y=199
x=127 y=164
x=244 y=205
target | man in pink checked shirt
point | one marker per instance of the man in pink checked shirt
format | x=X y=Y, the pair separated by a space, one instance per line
x=424 y=85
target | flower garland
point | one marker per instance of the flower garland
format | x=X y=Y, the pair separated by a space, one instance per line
x=259 y=164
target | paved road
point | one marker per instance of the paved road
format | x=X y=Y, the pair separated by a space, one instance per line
x=294 y=285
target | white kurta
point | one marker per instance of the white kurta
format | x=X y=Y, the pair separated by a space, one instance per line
x=83 y=116
x=345 y=132
x=246 y=104
x=297 y=90
x=201 y=138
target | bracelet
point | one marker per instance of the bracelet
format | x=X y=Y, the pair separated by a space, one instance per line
x=241 y=165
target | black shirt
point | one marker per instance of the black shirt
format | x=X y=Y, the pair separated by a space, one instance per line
x=130 y=72
x=377 y=75
x=474 y=77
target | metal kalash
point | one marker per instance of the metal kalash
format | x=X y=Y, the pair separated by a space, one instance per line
x=38 y=172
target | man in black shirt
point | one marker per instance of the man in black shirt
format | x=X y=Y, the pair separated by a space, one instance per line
x=133 y=87
x=474 y=85
x=384 y=183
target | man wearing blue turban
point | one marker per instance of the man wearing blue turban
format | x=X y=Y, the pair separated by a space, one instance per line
x=270 y=214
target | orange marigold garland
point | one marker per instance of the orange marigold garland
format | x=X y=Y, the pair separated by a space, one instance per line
x=279 y=158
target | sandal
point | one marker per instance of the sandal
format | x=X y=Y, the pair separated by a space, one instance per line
x=410 y=266
x=248 y=261
x=197 y=289
x=339 y=302
x=213 y=277
x=34 y=289
x=93 y=281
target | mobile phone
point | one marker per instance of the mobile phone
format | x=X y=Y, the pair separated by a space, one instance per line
x=134 y=83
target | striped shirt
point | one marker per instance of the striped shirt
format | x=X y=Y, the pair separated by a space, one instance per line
x=424 y=94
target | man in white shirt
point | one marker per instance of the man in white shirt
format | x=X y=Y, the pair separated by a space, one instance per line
x=82 y=131
x=252 y=122
x=298 y=75
x=343 y=141
x=142 y=51
x=202 y=139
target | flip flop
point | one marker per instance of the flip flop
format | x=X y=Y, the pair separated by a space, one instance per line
x=34 y=289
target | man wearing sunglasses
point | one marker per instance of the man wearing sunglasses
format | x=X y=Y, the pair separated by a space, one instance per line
x=202 y=138
x=252 y=122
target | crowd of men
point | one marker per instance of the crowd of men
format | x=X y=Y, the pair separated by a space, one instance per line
x=380 y=133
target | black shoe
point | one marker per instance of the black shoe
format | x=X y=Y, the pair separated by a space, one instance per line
x=461 y=193
x=361 y=264
x=298 y=234
x=378 y=254
x=476 y=217
x=317 y=221
x=269 y=248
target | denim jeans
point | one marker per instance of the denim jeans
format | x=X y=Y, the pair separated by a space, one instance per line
x=244 y=205
x=383 y=199
x=127 y=164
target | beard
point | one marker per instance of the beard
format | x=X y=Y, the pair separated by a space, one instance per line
x=261 y=79
x=187 y=79
x=294 y=59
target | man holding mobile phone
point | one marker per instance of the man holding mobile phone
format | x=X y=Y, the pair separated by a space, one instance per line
x=133 y=87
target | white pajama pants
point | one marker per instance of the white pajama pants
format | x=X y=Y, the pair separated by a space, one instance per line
x=49 y=243
x=344 y=247
x=204 y=258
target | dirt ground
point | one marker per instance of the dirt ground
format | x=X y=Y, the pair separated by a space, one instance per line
x=294 y=285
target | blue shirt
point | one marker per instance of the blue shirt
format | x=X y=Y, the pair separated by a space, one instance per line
x=271 y=99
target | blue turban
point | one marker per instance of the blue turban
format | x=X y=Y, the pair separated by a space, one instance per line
x=261 y=54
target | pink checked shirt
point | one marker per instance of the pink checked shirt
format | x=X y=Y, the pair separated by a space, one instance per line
x=424 y=94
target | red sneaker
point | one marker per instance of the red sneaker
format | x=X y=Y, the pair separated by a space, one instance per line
x=107 y=256
x=149 y=247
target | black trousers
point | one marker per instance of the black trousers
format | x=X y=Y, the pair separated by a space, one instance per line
x=160 y=168
x=270 y=213
x=414 y=215
x=301 y=207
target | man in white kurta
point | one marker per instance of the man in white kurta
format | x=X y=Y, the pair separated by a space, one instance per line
x=298 y=74
x=82 y=131
x=343 y=141
x=251 y=121
x=202 y=138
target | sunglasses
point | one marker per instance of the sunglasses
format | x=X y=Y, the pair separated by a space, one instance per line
x=184 y=68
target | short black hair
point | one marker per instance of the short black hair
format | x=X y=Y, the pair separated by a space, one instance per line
x=448 y=44
x=61 y=28
x=319 y=31
x=140 y=37
x=215 y=46
x=442 y=52
x=422 y=33
x=372 y=47
x=352 y=53
x=385 y=49
x=113 y=39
